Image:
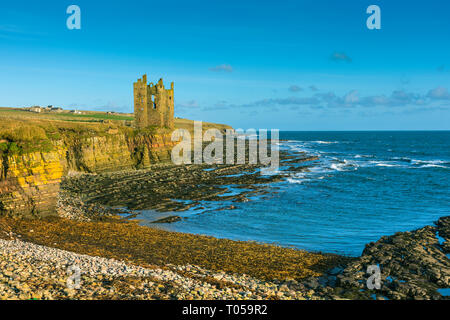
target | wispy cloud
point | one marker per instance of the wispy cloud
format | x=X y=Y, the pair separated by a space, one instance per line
x=187 y=105
x=340 y=56
x=439 y=93
x=222 y=68
x=352 y=99
x=8 y=31
x=295 y=88
x=9 y=28
x=282 y=102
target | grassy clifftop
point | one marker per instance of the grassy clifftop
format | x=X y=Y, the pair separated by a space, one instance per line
x=23 y=131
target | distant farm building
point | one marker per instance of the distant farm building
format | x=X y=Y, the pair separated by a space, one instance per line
x=37 y=109
x=56 y=109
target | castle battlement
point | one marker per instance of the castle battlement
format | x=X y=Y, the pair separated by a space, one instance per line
x=153 y=104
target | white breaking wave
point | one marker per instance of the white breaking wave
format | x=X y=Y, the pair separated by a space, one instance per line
x=359 y=156
x=296 y=180
x=325 y=142
x=330 y=162
x=433 y=166
x=414 y=161
x=381 y=164
x=344 y=165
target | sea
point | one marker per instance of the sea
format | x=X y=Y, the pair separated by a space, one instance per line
x=363 y=186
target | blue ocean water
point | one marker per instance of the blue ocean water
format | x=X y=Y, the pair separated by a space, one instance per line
x=364 y=185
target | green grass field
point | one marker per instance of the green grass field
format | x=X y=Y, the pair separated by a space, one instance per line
x=86 y=116
x=100 y=116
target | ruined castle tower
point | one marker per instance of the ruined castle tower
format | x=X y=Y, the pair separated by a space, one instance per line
x=153 y=104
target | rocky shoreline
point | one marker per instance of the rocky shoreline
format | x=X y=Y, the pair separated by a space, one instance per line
x=120 y=260
x=169 y=188
x=30 y=271
x=413 y=265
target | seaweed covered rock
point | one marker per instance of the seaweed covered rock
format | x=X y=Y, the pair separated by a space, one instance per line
x=413 y=265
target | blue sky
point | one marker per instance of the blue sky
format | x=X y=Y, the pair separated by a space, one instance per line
x=290 y=65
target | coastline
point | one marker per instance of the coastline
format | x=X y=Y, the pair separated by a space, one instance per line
x=239 y=270
x=94 y=227
x=160 y=264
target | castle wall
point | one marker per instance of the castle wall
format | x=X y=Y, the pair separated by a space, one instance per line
x=169 y=119
x=140 y=102
x=153 y=104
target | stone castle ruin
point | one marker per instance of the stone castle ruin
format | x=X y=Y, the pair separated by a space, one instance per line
x=153 y=104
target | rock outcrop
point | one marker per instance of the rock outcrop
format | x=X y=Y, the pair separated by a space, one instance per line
x=411 y=265
x=30 y=182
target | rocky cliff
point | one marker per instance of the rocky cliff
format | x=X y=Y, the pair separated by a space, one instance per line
x=29 y=182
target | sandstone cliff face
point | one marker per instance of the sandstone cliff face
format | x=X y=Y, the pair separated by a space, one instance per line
x=29 y=183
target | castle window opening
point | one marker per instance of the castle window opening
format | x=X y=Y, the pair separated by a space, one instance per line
x=153 y=104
